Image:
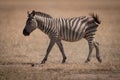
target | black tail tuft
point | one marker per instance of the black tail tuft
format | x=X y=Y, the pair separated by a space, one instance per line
x=96 y=18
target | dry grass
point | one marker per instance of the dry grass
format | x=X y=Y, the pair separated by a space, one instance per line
x=17 y=52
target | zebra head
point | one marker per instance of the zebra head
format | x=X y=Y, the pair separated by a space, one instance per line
x=31 y=24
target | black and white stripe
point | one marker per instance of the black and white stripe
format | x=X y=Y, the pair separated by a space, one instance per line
x=69 y=29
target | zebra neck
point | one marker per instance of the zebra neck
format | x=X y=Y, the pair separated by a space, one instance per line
x=45 y=25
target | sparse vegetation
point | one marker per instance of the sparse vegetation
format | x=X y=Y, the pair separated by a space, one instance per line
x=20 y=56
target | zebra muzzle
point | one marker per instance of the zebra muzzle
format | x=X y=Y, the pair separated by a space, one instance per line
x=26 y=33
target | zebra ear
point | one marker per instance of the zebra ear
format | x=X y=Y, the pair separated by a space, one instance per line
x=33 y=13
x=28 y=13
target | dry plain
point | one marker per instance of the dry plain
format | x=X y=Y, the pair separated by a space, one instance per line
x=18 y=52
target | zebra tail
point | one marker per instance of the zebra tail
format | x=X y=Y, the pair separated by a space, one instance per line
x=96 y=18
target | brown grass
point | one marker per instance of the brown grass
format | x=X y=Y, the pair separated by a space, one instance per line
x=17 y=52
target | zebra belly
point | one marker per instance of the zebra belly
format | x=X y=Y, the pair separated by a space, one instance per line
x=71 y=35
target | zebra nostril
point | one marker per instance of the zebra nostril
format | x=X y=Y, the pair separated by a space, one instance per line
x=25 y=32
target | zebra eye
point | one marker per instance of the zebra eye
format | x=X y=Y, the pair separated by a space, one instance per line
x=30 y=22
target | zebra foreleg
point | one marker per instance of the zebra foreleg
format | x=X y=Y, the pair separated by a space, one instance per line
x=62 y=50
x=51 y=44
x=91 y=46
x=96 y=44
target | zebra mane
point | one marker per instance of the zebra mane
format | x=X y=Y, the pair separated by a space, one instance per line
x=43 y=14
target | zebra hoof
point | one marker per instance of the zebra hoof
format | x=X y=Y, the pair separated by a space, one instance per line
x=43 y=62
x=99 y=59
x=88 y=60
x=64 y=60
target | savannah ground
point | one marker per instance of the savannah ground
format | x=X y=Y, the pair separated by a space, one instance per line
x=18 y=52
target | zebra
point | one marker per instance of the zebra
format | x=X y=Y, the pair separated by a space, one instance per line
x=67 y=29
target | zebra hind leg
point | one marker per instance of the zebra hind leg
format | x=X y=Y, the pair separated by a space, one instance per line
x=91 y=46
x=96 y=44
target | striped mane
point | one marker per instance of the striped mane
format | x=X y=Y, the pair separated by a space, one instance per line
x=43 y=14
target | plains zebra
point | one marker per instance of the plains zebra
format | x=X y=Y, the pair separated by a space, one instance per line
x=68 y=29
